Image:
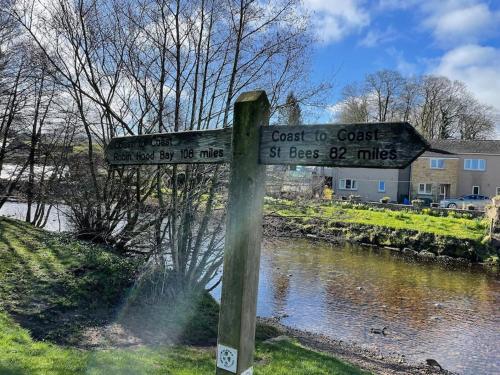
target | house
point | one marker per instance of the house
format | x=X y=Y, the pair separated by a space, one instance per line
x=453 y=168
x=370 y=184
x=293 y=181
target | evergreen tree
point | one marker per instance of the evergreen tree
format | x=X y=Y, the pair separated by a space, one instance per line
x=290 y=113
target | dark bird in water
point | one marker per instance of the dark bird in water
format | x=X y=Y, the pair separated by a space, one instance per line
x=433 y=363
x=378 y=331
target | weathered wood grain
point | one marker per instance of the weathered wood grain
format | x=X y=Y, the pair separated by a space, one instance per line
x=368 y=145
x=243 y=233
x=206 y=146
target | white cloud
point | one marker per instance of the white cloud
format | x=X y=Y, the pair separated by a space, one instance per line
x=397 y=4
x=334 y=20
x=451 y=22
x=334 y=110
x=458 y=22
x=375 y=38
x=403 y=66
x=477 y=66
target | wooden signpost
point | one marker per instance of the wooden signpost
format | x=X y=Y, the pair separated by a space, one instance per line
x=369 y=145
x=204 y=146
x=249 y=146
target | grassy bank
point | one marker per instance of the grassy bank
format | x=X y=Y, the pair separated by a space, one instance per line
x=455 y=225
x=54 y=291
x=454 y=234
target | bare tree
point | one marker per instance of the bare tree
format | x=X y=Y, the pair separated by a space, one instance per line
x=354 y=106
x=384 y=88
x=438 y=107
x=160 y=66
x=13 y=98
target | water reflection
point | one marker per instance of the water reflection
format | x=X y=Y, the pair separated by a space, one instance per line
x=429 y=311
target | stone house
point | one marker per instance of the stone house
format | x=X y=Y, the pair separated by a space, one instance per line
x=453 y=168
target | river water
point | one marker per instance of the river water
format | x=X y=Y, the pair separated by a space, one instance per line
x=430 y=311
x=56 y=222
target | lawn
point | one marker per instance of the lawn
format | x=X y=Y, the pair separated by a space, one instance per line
x=454 y=225
x=53 y=288
x=19 y=354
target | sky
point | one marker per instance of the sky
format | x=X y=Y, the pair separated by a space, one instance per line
x=459 y=39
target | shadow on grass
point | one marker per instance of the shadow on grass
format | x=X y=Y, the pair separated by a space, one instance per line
x=67 y=292
x=56 y=287
x=12 y=370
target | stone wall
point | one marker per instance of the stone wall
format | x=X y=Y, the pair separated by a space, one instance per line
x=405 y=207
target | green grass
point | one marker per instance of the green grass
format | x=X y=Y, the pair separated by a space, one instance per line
x=459 y=227
x=20 y=355
x=56 y=286
x=52 y=288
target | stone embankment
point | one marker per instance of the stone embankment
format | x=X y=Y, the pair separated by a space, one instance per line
x=427 y=246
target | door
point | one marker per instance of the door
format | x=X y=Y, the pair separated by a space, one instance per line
x=444 y=191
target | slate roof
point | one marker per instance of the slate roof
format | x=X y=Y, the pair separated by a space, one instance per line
x=456 y=146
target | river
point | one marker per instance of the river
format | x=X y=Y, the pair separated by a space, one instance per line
x=430 y=311
x=56 y=222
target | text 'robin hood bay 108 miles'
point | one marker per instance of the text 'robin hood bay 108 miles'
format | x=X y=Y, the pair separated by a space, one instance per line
x=374 y=145
x=204 y=146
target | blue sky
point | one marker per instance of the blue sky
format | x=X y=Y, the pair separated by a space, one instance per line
x=459 y=39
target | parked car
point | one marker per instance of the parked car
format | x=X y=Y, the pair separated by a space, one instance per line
x=478 y=201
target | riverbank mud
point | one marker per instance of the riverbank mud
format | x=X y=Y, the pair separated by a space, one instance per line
x=367 y=359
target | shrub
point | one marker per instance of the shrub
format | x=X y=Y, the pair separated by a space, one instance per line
x=427 y=211
x=417 y=203
x=354 y=198
x=385 y=200
x=346 y=205
x=360 y=206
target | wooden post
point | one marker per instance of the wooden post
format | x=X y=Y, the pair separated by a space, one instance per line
x=236 y=339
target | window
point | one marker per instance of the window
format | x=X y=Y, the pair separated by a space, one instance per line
x=475 y=164
x=348 y=184
x=381 y=186
x=498 y=190
x=437 y=163
x=475 y=190
x=425 y=188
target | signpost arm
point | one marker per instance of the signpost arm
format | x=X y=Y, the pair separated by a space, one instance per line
x=243 y=238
